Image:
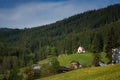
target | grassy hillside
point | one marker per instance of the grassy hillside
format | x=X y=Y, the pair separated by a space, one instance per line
x=110 y=72
x=84 y=58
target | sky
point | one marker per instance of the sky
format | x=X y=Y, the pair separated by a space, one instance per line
x=31 y=13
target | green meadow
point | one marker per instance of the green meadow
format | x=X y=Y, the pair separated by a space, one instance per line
x=110 y=72
x=85 y=59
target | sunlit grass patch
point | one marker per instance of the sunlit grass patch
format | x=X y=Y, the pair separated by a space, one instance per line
x=85 y=59
x=110 y=72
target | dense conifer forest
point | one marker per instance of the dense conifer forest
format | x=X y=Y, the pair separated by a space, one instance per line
x=96 y=30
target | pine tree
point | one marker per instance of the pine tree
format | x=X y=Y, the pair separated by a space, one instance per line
x=54 y=64
x=111 y=43
x=97 y=48
x=14 y=74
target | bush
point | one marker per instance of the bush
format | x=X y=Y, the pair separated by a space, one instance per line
x=50 y=68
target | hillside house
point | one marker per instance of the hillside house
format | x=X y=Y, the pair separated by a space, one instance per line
x=116 y=55
x=36 y=66
x=81 y=50
x=75 y=65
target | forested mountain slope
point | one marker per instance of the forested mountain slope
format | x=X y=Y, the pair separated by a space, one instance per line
x=30 y=45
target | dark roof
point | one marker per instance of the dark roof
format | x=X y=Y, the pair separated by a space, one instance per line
x=63 y=68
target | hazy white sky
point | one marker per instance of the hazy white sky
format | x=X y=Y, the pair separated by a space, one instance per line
x=32 y=13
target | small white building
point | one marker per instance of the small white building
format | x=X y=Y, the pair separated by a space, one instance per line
x=36 y=66
x=81 y=50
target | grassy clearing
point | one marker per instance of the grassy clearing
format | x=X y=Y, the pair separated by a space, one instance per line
x=84 y=58
x=110 y=72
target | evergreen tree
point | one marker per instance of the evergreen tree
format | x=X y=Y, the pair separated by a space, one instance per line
x=97 y=48
x=14 y=74
x=51 y=68
x=111 y=43
x=54 y=64
x=97 y=43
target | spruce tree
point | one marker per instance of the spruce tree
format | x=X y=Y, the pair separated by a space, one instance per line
x=14 y=74
x=97 y=48
x=111 y=42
